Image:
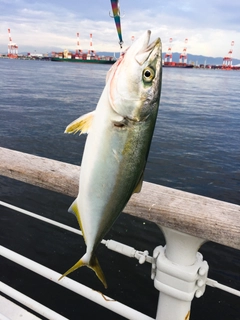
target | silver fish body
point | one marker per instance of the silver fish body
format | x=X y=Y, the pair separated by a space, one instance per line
x=116 y=150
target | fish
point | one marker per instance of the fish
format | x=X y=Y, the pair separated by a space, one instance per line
x=120 y=131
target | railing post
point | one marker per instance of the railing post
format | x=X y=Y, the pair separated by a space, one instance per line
x=179 y=274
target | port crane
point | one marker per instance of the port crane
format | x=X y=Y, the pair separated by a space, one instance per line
x=168 y=54
x=12 y=47
x=227 y=60
x=183 y=55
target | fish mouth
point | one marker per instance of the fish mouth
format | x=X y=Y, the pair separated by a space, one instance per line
x=147 y=48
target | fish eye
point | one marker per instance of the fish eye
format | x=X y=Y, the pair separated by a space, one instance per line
x=148 y=74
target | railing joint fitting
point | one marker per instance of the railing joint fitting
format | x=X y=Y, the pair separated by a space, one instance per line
x=178 y=281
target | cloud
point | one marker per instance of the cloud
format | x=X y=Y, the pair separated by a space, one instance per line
x=210 y=26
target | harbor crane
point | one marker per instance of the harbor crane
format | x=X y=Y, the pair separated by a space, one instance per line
x=168 y=54
x=183 y=55
x=227 y=60
x=12 y=47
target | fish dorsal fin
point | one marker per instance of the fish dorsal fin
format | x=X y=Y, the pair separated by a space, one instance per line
x=82 y=124
x=139 y=185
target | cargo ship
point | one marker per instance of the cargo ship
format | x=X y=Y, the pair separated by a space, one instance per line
x=182 y=58
x=90 y=57
x=177 y=65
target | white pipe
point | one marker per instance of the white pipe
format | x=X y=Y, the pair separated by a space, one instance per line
x=74 y=286
x=2 y=317
x=215 y=284
x=36 y=216
x=177 y=274
x=30 y=303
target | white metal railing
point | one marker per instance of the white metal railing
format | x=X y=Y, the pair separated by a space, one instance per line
x=78 y=288
x=186 y=220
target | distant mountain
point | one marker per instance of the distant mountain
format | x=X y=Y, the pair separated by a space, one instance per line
x=191 y=58
x=199 y=59
x=196 y=59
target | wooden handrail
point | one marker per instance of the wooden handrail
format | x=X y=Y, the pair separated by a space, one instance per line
x=192 y=214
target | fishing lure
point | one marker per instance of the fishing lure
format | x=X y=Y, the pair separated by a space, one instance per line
x=116 y=16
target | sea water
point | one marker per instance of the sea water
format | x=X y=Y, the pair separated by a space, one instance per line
x=195 y=148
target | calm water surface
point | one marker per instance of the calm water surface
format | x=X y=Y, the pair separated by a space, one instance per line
x=195 y=148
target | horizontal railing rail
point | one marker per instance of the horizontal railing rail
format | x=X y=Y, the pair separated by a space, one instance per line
x=188 y=213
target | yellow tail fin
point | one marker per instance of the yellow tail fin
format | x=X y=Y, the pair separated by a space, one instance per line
x=93 y=264
x=74 y=267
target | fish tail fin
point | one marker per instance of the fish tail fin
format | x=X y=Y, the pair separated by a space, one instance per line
x=92 y=264
x=95 y=266
x=77 y=265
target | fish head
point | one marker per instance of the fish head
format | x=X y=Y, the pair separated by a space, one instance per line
x=134 y=81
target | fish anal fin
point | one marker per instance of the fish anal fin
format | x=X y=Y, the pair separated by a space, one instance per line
x=74 y=210
x=82 y=124
x=139 y=185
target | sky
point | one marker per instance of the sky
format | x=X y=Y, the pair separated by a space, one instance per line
x=51 y=25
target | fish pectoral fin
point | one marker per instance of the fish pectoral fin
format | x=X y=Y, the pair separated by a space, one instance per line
x=93 y=264
x=139 y=185
x=82 y=124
